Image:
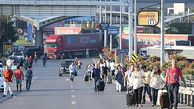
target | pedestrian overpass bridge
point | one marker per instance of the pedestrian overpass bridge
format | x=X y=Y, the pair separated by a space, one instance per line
x=51 y=11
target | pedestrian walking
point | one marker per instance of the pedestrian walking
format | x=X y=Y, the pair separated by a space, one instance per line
x=127 y=78
x=8 y=79
x=104 y=71
x=44 y=60
x=146 y=87
x=172 y=83
x=155 y=83
x=137 y=78
x=19 y=76
x=72 y=71
x=112 y=68
x=35 y=56
x=30 y=61
x=26 y=64
x=29 y=75
x=119 y=78
x=95 y=75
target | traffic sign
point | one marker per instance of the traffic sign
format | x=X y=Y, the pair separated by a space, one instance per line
x=104 y=26
x=113 y=31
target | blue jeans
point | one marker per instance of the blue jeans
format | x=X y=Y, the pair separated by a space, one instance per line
x=112 y=73
x=173 y=94
x=95 y=82
x=28 y=83
x=154 y=95
x=147 y=89
x=71 y=76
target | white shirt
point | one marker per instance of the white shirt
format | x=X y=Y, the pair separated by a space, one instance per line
x=128 y=73
x=72 y=68
x=108 y=64
x=136 y=80
x=112 y=66
x=90 y=69
x=156 y=81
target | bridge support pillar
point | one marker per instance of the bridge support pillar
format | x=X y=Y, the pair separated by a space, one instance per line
x=39 y=38
x=192 y=28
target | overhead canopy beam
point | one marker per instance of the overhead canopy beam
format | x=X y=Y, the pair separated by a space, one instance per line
x=70 y=3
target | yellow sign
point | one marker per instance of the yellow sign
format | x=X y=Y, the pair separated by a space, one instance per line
x=148 y=18
x=134 y=57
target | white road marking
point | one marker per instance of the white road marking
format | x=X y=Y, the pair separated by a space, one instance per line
x=72 y=90
x=73 y=102
x=71 y=86
x=67 y=79
x=72 y=96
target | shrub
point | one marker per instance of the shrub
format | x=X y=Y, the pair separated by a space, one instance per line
x=182 y=64
x=154 y=58
x=178 y=57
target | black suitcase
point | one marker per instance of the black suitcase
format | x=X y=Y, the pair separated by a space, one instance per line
x=164 y=101
x=101 y=85
x=86 y=77
x=130 y=97
x=123 y=88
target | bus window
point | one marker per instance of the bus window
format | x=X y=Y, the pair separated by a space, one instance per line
x=182 y=43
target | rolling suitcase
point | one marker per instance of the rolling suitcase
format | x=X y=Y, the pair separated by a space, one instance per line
x=109 y=80
x=101 y=85
x=130 y=97
x=164 y=100
x=86 y=78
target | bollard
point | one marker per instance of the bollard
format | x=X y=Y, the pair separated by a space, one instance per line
x=181 y=98
x=189 y=100
x=192 y=100
x=185 y=98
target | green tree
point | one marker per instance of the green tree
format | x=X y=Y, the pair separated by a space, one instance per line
x=179 y=28
x=7 y=31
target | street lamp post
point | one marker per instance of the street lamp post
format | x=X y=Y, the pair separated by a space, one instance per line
x=130 y=26
x=135 y=26
x=120 y=47
x=162 y=33
x=111 y=25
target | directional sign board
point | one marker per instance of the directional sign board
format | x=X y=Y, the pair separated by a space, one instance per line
x=104 y=26
x=113 y=31
x=148 y=18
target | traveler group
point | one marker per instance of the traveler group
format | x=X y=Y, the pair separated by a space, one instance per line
x=19 y=74
x=139 y=80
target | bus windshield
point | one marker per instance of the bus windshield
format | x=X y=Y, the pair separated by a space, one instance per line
x=51 y=45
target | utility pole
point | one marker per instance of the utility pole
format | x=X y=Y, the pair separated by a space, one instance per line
x=135 y=26
x=105 y=31
x=111 y=25
x=130 y=26
x=162 y=33
x=120 y=47
x=100 y=13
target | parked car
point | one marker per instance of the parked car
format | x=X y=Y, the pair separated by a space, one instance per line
x=64 y=66
x=1 y=68
x=1 y=77
x=1 y=82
